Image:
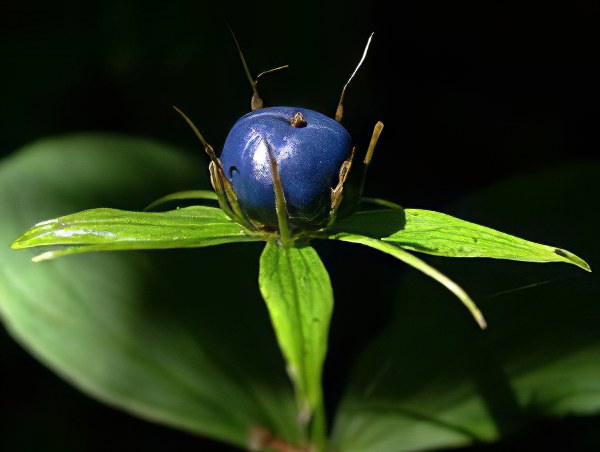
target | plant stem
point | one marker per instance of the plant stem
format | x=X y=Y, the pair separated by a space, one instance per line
x=318 y=427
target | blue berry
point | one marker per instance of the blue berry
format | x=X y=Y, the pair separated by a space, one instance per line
x=309 y=148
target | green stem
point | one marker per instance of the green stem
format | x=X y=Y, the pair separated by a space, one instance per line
x=318 y=427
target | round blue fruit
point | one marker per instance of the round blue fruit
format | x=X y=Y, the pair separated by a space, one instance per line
x=309 y=148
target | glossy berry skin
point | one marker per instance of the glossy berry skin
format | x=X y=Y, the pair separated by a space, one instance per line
x=309 y=156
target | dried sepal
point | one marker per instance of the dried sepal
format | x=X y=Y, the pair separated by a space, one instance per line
x=338 y=192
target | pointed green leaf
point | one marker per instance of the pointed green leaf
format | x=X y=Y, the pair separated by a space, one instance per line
x=298 y=293
x=181 y=337
x=420 y=265
x=443 y=235
x=112 y=229
x=431 y=382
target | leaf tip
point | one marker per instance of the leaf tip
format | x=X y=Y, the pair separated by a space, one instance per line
x=573 y=259
x=481 y=321
x=472 y=307
x=17 y=244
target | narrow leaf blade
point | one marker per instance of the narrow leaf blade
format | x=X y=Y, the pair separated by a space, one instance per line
x=112 y=229
x=443 y=235
x=298 y=294
x=420 y=265
x=380 y=202
x=184 y=196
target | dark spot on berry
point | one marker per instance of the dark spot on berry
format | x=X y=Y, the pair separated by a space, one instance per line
x=232 y=169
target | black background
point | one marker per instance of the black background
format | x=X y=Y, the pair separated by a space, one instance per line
x=469 y=94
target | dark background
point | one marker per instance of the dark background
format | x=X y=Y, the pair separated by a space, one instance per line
x=469 y=95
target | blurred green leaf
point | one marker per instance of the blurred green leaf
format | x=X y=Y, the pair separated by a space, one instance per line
x=177 y=337
x=380 y=202
x=431 y=380
x=205 y=195
x=112 y=229
x=298 y=293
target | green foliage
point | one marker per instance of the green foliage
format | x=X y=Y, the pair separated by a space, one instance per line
x=420 y=265
x=430 y=380
x=204 y=195
x=442 y=235
x=298 y=293
x=439 y=234
x=156 y=334
x=112 y=229
x=160 y=335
